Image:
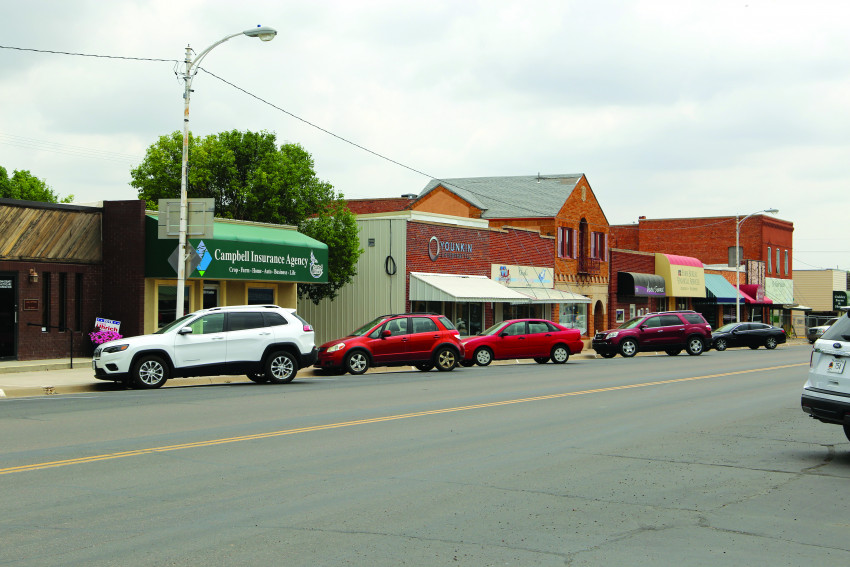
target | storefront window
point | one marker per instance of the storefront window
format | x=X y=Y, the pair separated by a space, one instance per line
x=167 y=304
x=469 y=318
x=574 y=316
x=427 y=307
x=260 y=296
x=523 y=311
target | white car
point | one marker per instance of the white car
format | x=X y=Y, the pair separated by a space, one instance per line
x=826 y=395
x=814 y=333
x=265 y=342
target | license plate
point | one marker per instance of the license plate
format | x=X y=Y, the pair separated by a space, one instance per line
x=836 y=366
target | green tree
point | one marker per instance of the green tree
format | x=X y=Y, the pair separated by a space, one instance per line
x=250 y=178
x=24 y=185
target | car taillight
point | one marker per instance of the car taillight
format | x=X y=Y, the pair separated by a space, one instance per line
x=308 y=328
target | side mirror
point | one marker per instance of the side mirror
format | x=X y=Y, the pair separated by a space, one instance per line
x=185 y=331
x=504 y=334
x=386 y=333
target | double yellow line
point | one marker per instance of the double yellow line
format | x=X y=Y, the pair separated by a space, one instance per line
x=212 y=442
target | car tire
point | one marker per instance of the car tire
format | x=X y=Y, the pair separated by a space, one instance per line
x=149 y=372
x=357 y=362
x=467 y=363
x=607 y=354
x=560 y=354
x=673 y=351
x=628 y=348
x=281 y=367
x=770 y=343
x=754 y=347
x=424 y=367
x=847 y=431
x=483 y=356
x=258 y=377
x=541 y=359
x=695 y=346
x=445 y=359
x=720 y=344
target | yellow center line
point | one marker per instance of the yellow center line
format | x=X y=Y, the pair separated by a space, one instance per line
x=267 y=435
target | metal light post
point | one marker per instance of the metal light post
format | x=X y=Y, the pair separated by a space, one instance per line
x=265 y=34
x=738 y=224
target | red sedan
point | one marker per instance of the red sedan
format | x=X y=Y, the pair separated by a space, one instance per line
x=539 y=339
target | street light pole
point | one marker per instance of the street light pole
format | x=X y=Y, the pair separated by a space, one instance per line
x=738 y=224
x=265 y=34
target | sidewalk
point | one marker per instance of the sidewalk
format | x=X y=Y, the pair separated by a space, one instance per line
x=52 y=377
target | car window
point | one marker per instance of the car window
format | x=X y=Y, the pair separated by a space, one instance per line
x=652 y=322
x=207 y=324
x=241 y=320
x=423 y=325
x=759 y=326
x=537 y=327
x=397 y=326
x=694 y=318
x=272 y=319
x=447 y=323
x=517 y=328
x=839 y=331
x=670 y=320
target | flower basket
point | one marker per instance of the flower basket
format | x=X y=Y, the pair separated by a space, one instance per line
x=102 y=336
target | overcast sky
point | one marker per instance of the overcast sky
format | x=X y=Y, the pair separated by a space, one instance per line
x=671 y=108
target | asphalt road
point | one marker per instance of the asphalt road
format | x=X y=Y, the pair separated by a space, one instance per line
x=654 y=460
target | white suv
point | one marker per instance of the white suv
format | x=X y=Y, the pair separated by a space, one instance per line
x=826 y=395
x=266 y=342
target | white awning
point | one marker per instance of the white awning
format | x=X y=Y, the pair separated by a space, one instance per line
x=474 y=289
x=544 y=295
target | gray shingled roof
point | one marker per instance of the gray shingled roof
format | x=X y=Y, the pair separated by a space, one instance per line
x=507 y=197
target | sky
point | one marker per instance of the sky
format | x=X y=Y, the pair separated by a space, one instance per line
x=671 y=108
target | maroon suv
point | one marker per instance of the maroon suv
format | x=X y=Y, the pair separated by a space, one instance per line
x=670 y=331
x=423 y=340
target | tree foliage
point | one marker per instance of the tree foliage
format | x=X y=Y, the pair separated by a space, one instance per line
x=250 y=178
x=24 y=185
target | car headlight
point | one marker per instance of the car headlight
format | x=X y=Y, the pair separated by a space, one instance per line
x=611 y=335
x=336 y=347
x=115 y=348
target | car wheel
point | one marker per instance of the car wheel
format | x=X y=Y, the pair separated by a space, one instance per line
x=628 y=348
x=720 y=344
x=446 y=359
x=424 y=367
x=607 y=354
x=281 y=367
x=754 y=347
x=673 y=351
x=541 y=359
x=149 y=372
x=467 y=363
x=258 y=377
x=695 y=346
x=483 y=356
x=770 y=343
x=560 y=354
x=357 y=362
x=847 y=431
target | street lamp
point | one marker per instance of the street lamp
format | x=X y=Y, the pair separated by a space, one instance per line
x=738 y=224
x=265 y=34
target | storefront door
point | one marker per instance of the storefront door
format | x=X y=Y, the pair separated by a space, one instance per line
x=8 y=316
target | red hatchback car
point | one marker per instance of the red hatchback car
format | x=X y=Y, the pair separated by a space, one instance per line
x=423 y=340
x=539 y=339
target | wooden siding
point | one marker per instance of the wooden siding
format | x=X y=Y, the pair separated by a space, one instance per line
x=50 y=235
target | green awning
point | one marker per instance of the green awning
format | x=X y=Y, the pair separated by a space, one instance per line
x=720 y=290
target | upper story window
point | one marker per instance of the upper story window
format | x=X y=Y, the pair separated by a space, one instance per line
x=598 y=248
x=778 y=260
x=566 y=242
x=769 y=265
x=786 y=262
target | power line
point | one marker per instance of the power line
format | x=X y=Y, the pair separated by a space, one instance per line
x=87 y=54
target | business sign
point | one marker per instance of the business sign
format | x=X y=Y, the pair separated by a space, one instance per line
x=448 y=249
x=102 y=324
x=522 y=276
x=683 y=276
x=839 y=299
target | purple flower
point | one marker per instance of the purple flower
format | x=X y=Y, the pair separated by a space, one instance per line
x=104 y=336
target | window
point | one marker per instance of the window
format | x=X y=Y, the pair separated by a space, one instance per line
x=769 y=268
x=693 y=318
x=597 y=245
x=423 y=325
x=778 y=258
x=78 y=303
x=274 y=319
x=167 y=303
x=260 y=296
x=397 y=326
x=786 y=262
x=574 y=316
x=537 y=327
x=63 y=302
x=670 y=320
x=566 y=242
x=45 y=300
x=652 y=322
x=239 y=321
x=208 y=324
x=515 y=329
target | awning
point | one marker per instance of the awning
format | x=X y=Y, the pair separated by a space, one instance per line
x=754 y=293
x=546 y=295
x=474 y=289
x=683 y=276
x=631 y=284
x=720 y=290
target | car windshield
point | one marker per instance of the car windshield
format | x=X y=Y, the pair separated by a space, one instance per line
x=177 y=323
x=631 y=323
x=726 y=328
x=839 y=331
x=367 y=327
x=492 y=330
